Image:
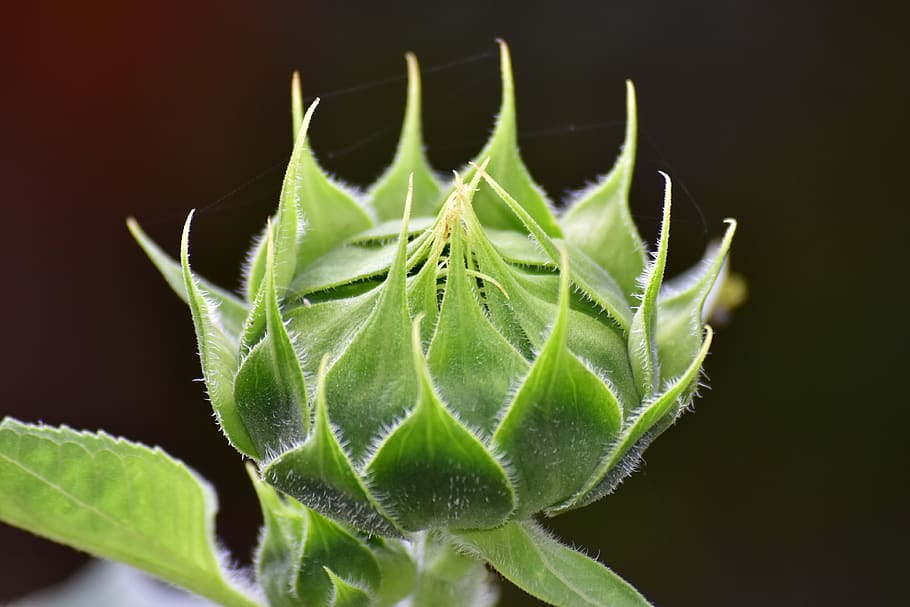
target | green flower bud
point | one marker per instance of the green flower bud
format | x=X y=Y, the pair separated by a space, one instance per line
x=435 y=356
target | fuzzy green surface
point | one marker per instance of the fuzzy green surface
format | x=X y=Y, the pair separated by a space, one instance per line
x=548 y=354
x=439 y=361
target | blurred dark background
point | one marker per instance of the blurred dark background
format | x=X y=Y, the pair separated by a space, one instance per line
x=788 y=487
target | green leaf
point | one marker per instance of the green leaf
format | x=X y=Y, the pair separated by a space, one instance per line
x=599 y=222
x=232 y=311
x=471 y=362
x=269 y=388
x=541 y=566
x=434 y=471
x=388 y=193
x=362 y=398
x=559 y=423
x=117 y=500
x=346 y=594
x=680 y=306
x=642 y=336
x=319 y=473
x=218 y=354
x=506 y=166
x=331 y=215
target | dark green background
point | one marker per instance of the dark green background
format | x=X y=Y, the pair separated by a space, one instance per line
x=789 y=485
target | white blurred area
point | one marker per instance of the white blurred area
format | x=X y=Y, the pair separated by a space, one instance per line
x=107 y=584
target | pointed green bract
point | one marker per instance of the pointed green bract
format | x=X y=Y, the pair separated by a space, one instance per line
x=669 y=400
x=272 y=407
x=525 y=317
x=254 y=267
x=515 y=313
x=328 y=544
x=513 y=310
x=642 y=337
x=289 y=221
x=114 y=499
x=346 y=594
x=538 y=564
x=269 y=388
x=319 y=473
x=472 y=363
x=298 y=544
x=330 y=326
x=599 y=221
x=423 y=291
x=592 y=336
x=597 y=284
x=254 y=327
x=644 y=425
x=330 y=215
x=680 y=310
x=372 y=382
x=434 y=471
x=218 y=354
x=279 y=551
x=568 y=411
x=606 y=294
x=388 y=193
x=508 y=169
x=231 y=310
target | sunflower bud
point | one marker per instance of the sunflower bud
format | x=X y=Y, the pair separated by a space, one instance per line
x=432 y=356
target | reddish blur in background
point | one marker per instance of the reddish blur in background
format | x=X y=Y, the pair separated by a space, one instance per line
x=789 y=485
